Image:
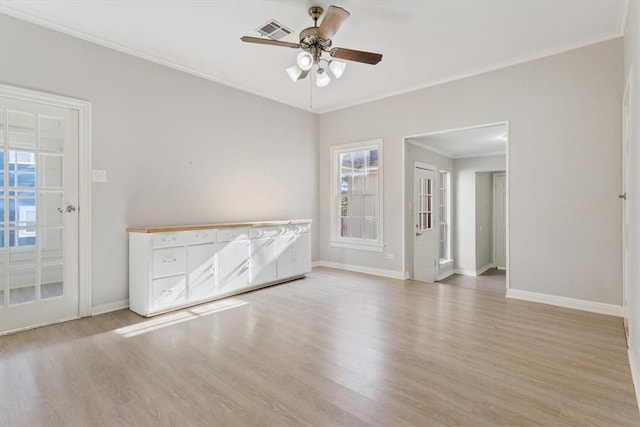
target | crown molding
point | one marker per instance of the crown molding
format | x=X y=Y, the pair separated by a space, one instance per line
x=482 y=70
x=143 y=55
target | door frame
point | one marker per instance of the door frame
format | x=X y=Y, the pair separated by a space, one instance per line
x=435 y=219
x=626 y=207
x=84 y=181
x=405 y=141
x=495 y=232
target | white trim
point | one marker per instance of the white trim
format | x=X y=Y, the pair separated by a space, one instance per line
x=482 y=270
x=140 y=54
x=84 y=180
x=577 y=304
x=109 y=307
x=374 y=247
x=445 y=275
x=315 y=264
x=481 y=70
x=356 y=243
x=176 y=66
x=367 y=270
x=26 y=328
x=473 y=273
x=635 y=373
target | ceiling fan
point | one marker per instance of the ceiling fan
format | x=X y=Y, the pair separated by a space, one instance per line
x=316 y=40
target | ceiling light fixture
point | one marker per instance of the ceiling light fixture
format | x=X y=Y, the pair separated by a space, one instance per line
x=322 y=78
x=337 y=67
x=304 y=61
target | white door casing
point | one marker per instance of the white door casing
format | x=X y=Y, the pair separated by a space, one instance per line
x=626 y=270
x=425 y=253
x=499 y=221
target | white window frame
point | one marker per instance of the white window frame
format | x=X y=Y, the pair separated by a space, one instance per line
x=336 y=240
x=447 y=221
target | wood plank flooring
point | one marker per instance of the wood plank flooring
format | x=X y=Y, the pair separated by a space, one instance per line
x=336 y=348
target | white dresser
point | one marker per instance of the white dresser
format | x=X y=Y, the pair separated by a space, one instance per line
x=174 y=267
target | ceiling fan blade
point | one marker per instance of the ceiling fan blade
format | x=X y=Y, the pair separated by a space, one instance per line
x=259 y=40
x=332 y=21
x=356 y=55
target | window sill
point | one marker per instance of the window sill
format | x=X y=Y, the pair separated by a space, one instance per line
x=371 y=247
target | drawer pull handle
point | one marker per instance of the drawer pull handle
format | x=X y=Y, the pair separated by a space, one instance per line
x=169 y=261
x=165 y=240
x=201 y=236
x=167 y=291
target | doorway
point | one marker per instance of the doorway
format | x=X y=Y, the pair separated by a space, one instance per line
x=626 y=270
x=464 y=244
x=40 y=194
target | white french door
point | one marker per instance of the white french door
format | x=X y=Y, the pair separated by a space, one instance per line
x=425 y=239
x=38 y=214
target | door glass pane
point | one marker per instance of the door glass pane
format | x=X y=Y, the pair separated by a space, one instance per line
x=51 y=245
x=22 y=130
x=51 y=281
x=22 y=284
x=50 y=202
x=51 y=171
x=51 y=134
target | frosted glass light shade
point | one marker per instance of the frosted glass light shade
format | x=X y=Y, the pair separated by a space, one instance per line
x=322 y=78
x=294 y=72
x=337 y=67
x=304 y=61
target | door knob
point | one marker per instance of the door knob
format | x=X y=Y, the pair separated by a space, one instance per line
x=622 y=196
x=69 y=208
x=418 y=233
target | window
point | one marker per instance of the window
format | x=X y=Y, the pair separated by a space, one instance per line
x=444 y=216
x=356 y=196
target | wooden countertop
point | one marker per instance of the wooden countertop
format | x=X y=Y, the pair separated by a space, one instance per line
x=174 y=228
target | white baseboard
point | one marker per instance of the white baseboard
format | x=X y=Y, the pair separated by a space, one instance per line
x=107 y=308
x=577 y=304
x=481 y=271
x=368 y=270
x=445 y=275
x=315 y=264
x=474 y=273
x=635 y=374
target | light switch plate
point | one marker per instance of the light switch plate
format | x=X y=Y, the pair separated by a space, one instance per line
x=99 y=175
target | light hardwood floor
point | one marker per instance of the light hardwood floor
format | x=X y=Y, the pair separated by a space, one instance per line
x=492 y=280
x=336 y=348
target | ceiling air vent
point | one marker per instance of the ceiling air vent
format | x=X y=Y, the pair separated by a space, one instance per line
x=274 y=30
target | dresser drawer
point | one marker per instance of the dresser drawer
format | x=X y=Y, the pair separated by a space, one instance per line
x=169 y=261
x=286 y=230
x=231 y=234
x=165 y=240
x=198 y=237
x=261 y=232
x=168 y=291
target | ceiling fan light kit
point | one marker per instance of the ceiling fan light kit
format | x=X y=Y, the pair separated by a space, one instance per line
x=316 y=40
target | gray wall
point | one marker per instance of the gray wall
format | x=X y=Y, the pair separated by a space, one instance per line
x=632 y=61
x=178 y=149
x=465 y=226
x=484 y=219
x=564 y=113
x=420 y=154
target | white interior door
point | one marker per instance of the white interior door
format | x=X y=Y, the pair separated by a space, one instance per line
x=38 y=214
x=626 y=275
x=424 y=249
x=499 y=221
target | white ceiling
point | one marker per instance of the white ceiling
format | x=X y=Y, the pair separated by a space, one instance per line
x=423 y=42
x=472 y=142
